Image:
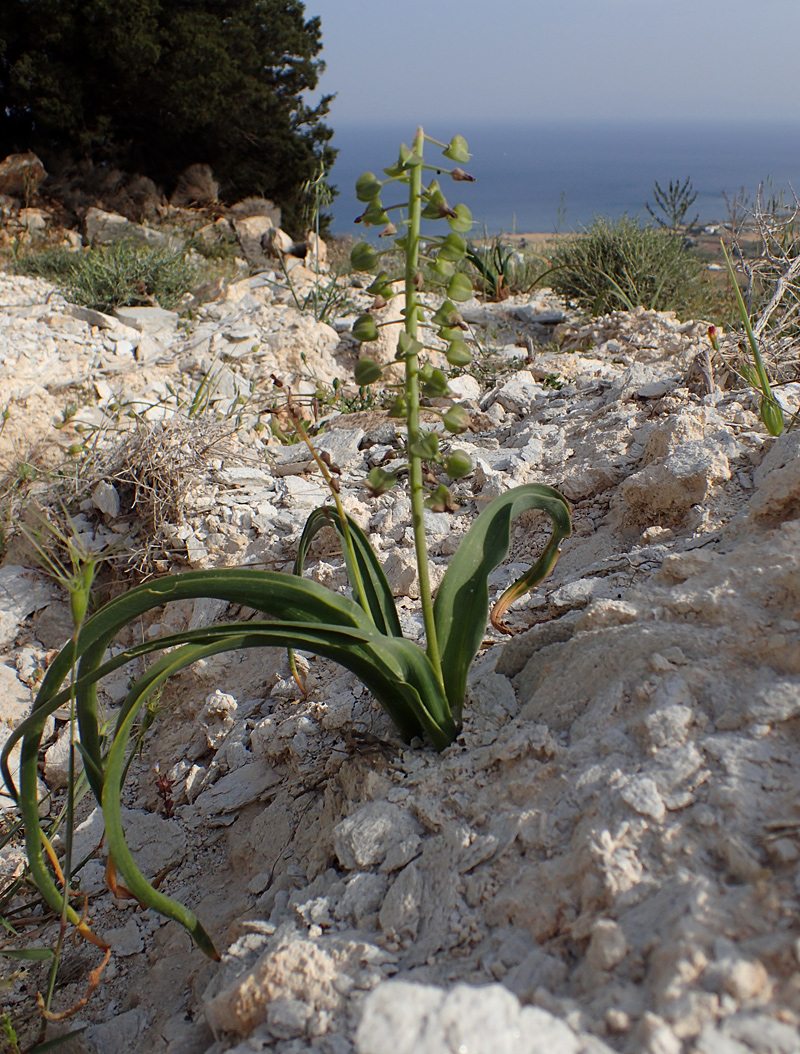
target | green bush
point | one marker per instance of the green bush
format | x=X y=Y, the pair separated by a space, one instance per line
x=123 y=275
x=620 y=265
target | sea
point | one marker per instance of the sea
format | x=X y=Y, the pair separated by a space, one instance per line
x=558 y=176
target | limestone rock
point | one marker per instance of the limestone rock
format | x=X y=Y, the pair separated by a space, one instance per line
x=21 y=175
x=777 y=481
x=21 y=592
x=251 y=231
x=379 y=834
x=403 y=1018
x=108 y=228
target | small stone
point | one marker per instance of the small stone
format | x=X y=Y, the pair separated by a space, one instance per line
x=21 y=592
x=379 y=834
x=288 y=1018
x=154 y=321
x=744 y=979
x=608 y=946
x=240 y=787
x=642 y=795
x=106 y=498
x=400 y=915
x=125 y=940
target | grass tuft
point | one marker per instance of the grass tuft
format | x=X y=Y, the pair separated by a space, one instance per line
x=123 y=275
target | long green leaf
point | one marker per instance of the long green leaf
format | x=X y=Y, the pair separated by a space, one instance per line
x=462 y=602
x=395 y=670
x=272 y=593
x=379 y=597
x=41 y=954
x=278 y=595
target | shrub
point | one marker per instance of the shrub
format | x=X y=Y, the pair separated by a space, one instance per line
x=618 y=264
x=123 y=275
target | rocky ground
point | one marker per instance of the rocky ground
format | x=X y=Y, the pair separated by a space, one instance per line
x=607 y=857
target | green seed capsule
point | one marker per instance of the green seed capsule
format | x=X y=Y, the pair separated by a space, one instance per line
x=427 y=448
x=363 y=257
x=458 y=465
x=399 y=407
x=447 y=315
x=407 y=346
x=441 y=500
x=450 y=332
x=458 y=354
x=368 y=187
x=772 y=416
x=453 y=248
x=400 y=166
x=435 y=386
x=364 y=328
x=366 y=371
x=381 y=286
x=457 y=150
x=456 y=420
x=380 y=481
x=459 y=288
x=462 y=221
x=374 y=215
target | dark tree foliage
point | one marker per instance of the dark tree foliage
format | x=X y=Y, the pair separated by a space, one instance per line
x=152 y=86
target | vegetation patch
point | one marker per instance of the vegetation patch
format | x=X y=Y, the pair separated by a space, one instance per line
x=123 y=275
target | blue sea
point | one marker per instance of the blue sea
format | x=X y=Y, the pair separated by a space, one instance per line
x=559 y=176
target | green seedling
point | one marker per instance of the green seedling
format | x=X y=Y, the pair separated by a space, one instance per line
x=421 y=688
x=769 y=409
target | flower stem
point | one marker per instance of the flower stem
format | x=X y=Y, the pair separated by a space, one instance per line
x=412 y=419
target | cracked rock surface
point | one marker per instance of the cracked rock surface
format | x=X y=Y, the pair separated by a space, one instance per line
x=606 y=859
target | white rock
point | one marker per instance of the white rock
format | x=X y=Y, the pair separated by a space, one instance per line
x=404 y=1018
x=288 y=1018
x=56 y=761
x=400 y=913
x=105 y=497
x=642 y=795
x=608 y=946
x=152 y=321
x=240 y=787
x=379 y=834
x=22 y=591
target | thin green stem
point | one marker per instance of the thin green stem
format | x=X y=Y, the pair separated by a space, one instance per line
x=412 y=419
x=759 y=362
x=357 y=583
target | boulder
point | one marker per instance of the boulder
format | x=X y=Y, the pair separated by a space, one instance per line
x=252 y=232
x=108 y=228
x=21 y=175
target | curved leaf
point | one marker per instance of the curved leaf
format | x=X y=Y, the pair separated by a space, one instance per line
x=278 y=595
x=395 y=670
x=381 y=606
x=389 y=667
x=462 y=602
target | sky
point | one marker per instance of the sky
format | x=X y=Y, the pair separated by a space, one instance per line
x=560 y=60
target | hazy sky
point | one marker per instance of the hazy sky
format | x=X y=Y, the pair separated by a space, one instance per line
x=419 y=60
